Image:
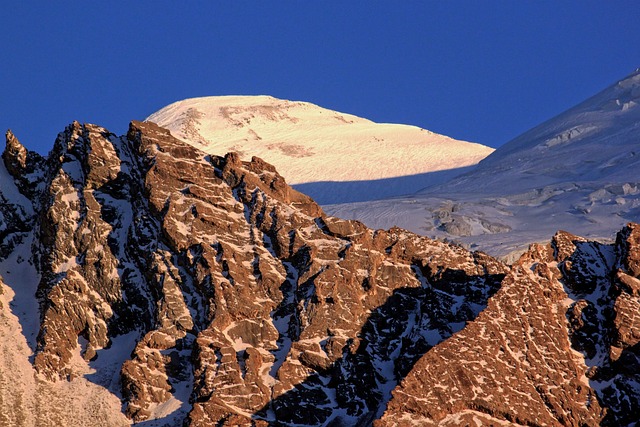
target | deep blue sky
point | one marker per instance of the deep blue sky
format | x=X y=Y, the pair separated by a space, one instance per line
x=483 y=71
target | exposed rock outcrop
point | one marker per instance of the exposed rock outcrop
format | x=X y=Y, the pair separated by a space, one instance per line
x=242 y=303
x=556 y=345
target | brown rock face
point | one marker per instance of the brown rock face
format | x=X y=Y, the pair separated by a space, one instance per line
x=513 y=363
x=289 y=299
x=547 y=350
x=15 y=155
x=249 y=306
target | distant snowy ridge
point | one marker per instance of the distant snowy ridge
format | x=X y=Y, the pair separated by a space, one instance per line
x=335 y=155
x=577 y=172
x=597 y=140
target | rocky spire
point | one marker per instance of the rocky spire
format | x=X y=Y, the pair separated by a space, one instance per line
x=22 y=164
x=14 y=155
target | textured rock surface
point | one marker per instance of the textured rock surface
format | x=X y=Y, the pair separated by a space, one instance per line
x=556 y=345
x=204 y=290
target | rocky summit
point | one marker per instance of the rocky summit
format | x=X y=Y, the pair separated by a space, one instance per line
x=160 y=285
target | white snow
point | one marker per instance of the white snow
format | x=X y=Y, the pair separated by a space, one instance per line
x=333 y=157
x=20 y=275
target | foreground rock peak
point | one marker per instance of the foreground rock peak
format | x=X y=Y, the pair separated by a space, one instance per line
x=203 y=290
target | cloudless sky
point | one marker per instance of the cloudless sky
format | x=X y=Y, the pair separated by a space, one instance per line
x=482 y=71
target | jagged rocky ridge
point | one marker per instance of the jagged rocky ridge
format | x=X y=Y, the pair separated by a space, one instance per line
x=250 y=306
x=556 y=345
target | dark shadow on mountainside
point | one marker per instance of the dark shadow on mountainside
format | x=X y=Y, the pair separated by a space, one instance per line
x=356 y=388
x=332 y=192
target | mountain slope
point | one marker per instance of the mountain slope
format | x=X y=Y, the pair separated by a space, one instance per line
x=597 y=140
x=331 y=156
x=203 y=290
x=551 y=343
x=577 y=172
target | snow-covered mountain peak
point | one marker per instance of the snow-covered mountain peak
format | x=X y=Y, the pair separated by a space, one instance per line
x=327 y=151
x=239 y=111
